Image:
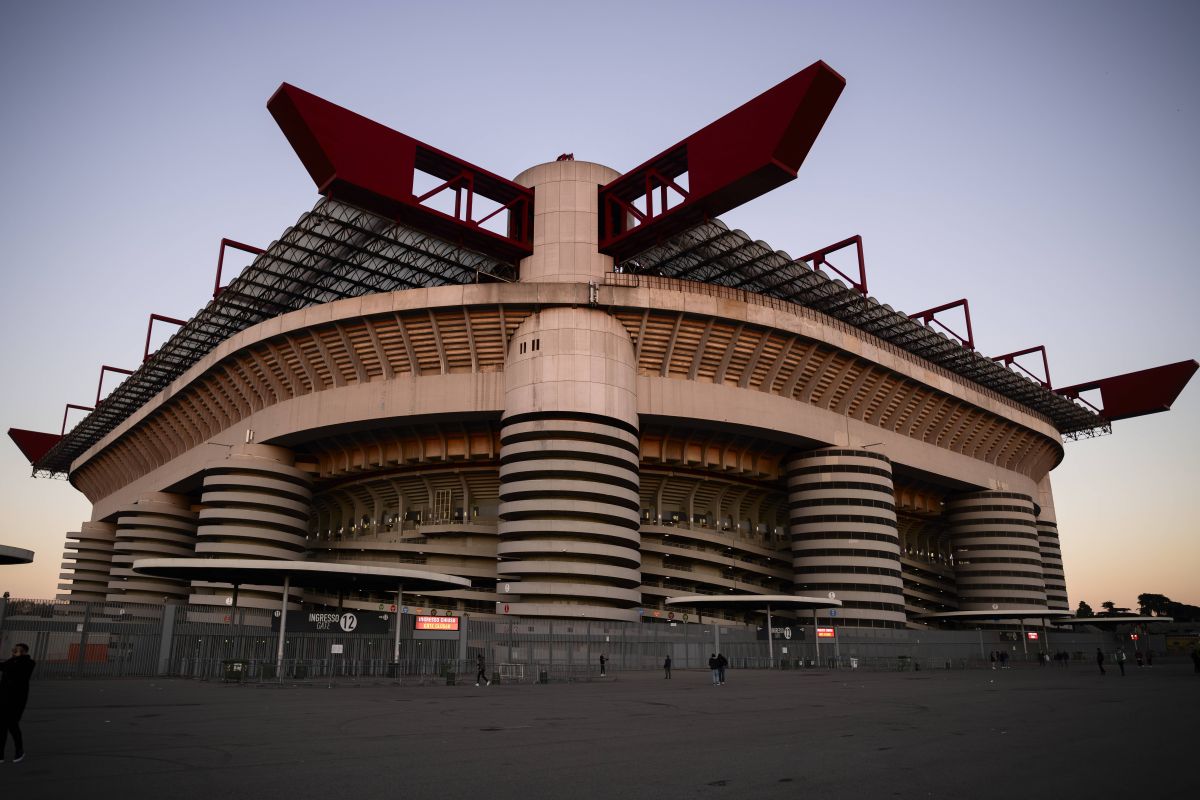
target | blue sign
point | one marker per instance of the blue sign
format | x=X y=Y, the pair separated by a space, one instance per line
x=833 y=612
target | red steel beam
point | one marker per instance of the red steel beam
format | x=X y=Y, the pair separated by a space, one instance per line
x=744 y=154
x=1009 y=360
x=361 y=162
x=246 y=248
x=929 y=317
x=819 y=258
x=1135 y=394
x=106 y=368
x=150 y=327
x=33 y=444
x=66 y=411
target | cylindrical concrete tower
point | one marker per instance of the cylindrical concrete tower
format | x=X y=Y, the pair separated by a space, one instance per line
x=255 y=505
x=566 y=226
x=89 y=556
x=845 y=542
x=159 y=525
x=569 y=542
x=997 y=558
x=1052 y=565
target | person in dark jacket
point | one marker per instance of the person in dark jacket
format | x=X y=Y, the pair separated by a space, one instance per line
x=14 y=693
x=1100 y=660
x=481 y=672
x=603 y=664
x=722 y=663
x=667 y=667
x=712 y=665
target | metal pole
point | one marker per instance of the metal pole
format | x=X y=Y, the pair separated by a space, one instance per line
x=396 y=645
x=816 y=638
x=770 y=639
x=982 y=655
x=282 y=627
x=1024 y=639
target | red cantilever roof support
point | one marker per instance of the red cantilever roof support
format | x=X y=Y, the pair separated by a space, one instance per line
x=33 y=444
x=150 y=327
x=246 y=248
x=363 y=163
x=818 y=258
x=744 y=154
x=929 y=317
x=1009 y=360
x=106 y=368
x=67 y=410
x=1134 y=394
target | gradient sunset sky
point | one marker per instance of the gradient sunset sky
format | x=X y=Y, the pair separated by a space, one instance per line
x=1037 y=158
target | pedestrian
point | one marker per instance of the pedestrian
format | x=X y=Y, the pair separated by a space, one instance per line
x=992 y=658
x=481 y=673
x=716 y=675
x=1137 y=656
x=1121 y=660
x=1003 y=659
x=722 y=663
x=603 y=661
x=1100 y=660
x=667 y=667
x=14 y=693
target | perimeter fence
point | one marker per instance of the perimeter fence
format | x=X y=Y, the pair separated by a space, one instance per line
x=94 y=640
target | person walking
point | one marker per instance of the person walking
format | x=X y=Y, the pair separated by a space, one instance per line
x=667 y=667
x=1121 y=660
x=992 y=656
x=603 y=661
x=1137 y=656
x=1100 y=660
x=481 y=672
x=722 y=663
x=14 y=693
x=712 y=665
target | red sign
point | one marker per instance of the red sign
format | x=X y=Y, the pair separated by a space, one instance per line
x=1133 y=636
x=826 y=633
x=437 y=623
x=1031 y=635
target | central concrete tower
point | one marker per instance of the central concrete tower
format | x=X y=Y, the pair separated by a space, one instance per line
x=569 y=510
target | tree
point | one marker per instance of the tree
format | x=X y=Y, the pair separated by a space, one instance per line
x=1084 y=610
x=1153 y=605
x=1109 y=606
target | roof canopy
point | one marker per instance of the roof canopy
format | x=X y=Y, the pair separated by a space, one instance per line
x=15 y=555
x=306 y=574
x=774 y=601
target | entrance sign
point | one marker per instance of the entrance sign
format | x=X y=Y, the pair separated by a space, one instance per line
x=436 y=624
x=826 y=633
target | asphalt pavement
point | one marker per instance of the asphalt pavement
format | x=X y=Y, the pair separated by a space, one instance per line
x=1025 y=732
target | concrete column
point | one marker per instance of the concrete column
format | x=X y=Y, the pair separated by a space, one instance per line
x=254 y=504
x=844 y=534
x=566 y=222
x=157 y=525
x=88 y=558
x=569 y=540
x=997 y=557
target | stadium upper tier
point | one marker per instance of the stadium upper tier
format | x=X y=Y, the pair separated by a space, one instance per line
x=338 y=251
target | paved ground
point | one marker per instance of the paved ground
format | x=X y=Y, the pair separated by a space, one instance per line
x=1019 y=733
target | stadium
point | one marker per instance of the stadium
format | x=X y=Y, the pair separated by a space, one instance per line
x=582 y=394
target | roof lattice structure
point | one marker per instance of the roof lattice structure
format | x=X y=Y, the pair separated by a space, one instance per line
x=337 y=251
x=332 y=252
x=713 y=254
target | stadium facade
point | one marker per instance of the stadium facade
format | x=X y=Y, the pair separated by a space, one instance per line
x=583 y=392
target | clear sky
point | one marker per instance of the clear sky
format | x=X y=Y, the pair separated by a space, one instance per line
x=1038 y=158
